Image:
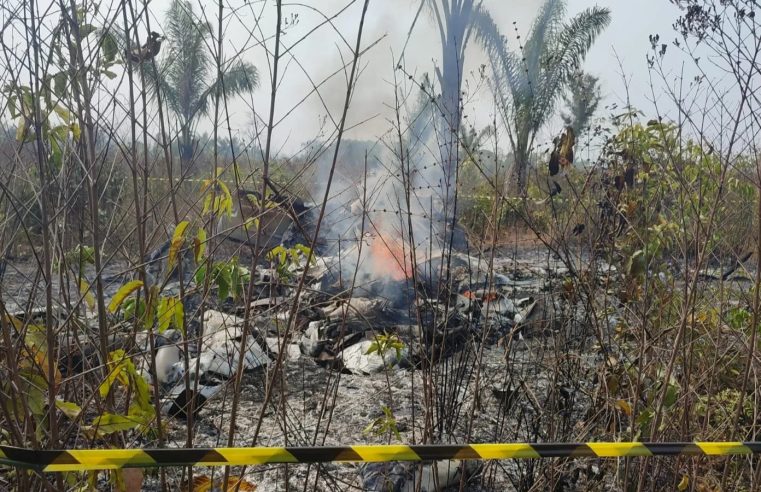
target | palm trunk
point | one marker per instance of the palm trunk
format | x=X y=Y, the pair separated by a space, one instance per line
x=520 y=167
x=451 y=122
x=520 y=172
x=186 y=150
x=450 y=80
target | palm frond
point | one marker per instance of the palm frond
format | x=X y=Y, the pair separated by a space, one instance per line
x=542 y=32
x=565 y=54
x=240 y=78
x=463 y=16
x=570 y=46
x=506 y=65
x=180 y=21
x=155 y=79
x=188 y=56
x=581 y=101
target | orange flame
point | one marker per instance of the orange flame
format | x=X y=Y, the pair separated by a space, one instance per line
x=389 y=259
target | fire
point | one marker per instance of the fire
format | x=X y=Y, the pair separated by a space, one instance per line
x=388 y=258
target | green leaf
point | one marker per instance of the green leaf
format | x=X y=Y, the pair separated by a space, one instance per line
x=56 y=153
x=235 y=280
x=150 y=305
x=68 y=408
x=59 y=84
x=200 y=275
x=124 y=291
x=672 y=393
x=294 y=254
x=223 y=280
x=92 y=479
x=108 y=423
x=27 y=101
x=132 y=308
x=12 y=106
x=274 y=253
x=86 y=29
x=164 y=314
x=35 y=399
x=109 y=49
x=637 y=264
x=305 y=250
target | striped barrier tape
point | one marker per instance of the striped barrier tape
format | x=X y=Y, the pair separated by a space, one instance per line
x=188 y=180
x=103 y=459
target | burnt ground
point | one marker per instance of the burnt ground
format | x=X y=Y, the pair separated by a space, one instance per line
x=532 y=379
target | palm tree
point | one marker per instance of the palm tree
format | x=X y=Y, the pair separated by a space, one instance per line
x=457 y=20
x=581 y=101
x=530 y=83
x=186 y=74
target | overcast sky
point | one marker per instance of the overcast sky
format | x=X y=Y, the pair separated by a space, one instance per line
x=389 y=22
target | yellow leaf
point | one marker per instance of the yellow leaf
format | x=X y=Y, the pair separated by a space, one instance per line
x=206 y=203
x=199 y=244
x=20 y=129
x=226 y=204
x=178 y=239
x=236 y=171
x=684 y=484
x=124 y=291
x=170 y=312
x=84 y=290
x=251 y=222
x=118 y=365
x=62 y=112
x=624 y=406
x=217 y=200
x=179 y=315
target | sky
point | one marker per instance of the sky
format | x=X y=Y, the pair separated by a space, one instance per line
x=303 y=116
x=387 y=26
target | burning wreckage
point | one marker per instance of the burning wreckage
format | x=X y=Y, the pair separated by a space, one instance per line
x=355 y=290
x=365 y=285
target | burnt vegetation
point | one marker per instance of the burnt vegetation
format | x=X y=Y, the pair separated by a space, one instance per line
x=179 y=267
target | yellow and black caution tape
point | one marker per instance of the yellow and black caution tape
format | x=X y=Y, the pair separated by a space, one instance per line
x=102 y=459
x=188 y=180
